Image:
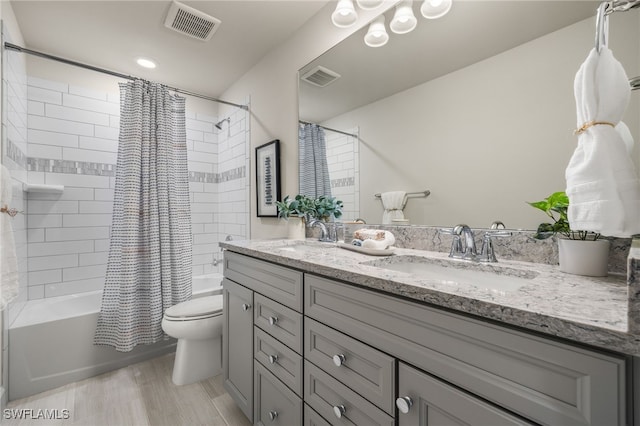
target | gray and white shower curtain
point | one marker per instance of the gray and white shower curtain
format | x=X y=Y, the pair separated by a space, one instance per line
x=149 y=266
x=312 y=160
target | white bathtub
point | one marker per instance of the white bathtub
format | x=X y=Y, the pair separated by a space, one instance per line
x=51 y=341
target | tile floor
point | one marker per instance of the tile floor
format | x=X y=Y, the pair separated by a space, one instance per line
x=138 y=395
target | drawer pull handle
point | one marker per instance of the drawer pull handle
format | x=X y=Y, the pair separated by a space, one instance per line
x=273 y=359
x=338 y=360
x=339 y=410
x=273 y=415
x=273 y=320
x=246 y=306
x=404 y=404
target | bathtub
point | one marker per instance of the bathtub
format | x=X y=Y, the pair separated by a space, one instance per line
x=51 y=341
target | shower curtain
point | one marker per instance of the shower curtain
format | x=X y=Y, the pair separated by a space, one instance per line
x=149 y=265
x=312 y=160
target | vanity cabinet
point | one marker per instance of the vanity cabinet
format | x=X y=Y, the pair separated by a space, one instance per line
x=262 y=354
x=237 y=345
x=345 y=355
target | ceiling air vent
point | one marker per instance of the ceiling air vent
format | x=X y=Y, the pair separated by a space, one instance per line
x=320 y=76
x=191 y=22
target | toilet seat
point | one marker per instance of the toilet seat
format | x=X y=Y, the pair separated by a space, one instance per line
x=195 y=309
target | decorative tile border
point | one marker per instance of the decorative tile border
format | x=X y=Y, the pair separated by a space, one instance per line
x=340 y=183
x=16 y=154
x=33 y=164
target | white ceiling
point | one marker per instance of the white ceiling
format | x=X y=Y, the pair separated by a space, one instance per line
x=112 y=34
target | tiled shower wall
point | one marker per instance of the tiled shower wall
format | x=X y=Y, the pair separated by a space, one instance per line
x=73 y=141
x=342 y=159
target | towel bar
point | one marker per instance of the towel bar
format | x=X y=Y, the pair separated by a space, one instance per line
x=424 y=193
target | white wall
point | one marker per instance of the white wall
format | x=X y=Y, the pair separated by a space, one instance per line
x=272 y=85
x=486 y=138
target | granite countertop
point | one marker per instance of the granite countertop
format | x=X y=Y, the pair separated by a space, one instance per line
x=593 y=311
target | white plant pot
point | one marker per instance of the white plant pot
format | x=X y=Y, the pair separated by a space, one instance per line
x=590 y=258
x=296 y=228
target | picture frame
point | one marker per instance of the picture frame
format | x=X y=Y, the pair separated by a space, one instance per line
x=268 y=178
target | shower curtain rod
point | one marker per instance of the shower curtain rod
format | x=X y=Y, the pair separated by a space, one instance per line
x=20 y=49
x=330 y=129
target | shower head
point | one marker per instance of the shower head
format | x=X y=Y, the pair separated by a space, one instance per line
x=219 y=123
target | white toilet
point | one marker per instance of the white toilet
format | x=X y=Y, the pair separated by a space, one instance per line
x=197 y=324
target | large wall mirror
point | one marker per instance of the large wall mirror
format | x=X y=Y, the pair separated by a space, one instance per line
x=477 y=107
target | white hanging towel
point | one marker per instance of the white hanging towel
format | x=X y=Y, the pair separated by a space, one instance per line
x=602 y=183
x=393 y=203
x=9 y=278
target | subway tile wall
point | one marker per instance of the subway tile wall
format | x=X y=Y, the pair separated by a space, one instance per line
x=73 y=141
x=342 y=159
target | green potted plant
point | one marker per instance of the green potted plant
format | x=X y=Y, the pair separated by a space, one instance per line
x=579 y=252
x=301 y=209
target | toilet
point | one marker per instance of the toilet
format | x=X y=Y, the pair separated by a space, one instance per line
x=197 y=324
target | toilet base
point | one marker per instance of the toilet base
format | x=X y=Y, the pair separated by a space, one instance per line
x=197 y=360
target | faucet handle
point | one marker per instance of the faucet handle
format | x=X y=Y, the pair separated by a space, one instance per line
x=488 y=254
x=456 y=245
x=498 y=225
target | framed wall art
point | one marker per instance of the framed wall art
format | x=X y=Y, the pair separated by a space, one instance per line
x=268 y=178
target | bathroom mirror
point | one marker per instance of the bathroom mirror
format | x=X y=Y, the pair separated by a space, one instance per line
x=477 y=107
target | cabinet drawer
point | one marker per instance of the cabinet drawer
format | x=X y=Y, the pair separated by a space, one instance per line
x=429 y=401
x=334 y=401
x=276 y=282
x=281 y=322
x=284 y=363
x=540 y=379
x=364 y=369
x=275 y=404
x=311 y=418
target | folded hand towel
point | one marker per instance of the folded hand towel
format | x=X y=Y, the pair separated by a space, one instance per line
x=389 y=240
x=393 y=203
x=9 y=278
x=602 y=183
x=368 y=234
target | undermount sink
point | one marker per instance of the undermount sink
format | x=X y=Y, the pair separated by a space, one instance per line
x=295 y=246
x=490 y=277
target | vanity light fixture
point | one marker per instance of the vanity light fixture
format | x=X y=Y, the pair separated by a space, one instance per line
x=404 y=20
x=146 y=63
x=377 y=35
x=434 y=9
x=369 y=4
x=345 y=14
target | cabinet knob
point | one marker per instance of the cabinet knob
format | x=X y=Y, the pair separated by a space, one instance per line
x=273 y=359
x=273 y=415
x=338 y=360
x=273 y=320
x=339 y=410
x=246 y=306
x=404 y=404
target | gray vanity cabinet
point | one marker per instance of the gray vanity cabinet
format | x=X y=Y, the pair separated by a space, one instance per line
x=237 y=345
x=262 y=342
x=426 y=401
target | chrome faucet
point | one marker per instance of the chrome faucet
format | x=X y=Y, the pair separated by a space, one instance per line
x=488 y=254
x=463 y=245
x=324 y=232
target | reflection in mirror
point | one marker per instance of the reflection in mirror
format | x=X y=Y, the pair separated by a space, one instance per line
x=477 y=107
x=328 y=165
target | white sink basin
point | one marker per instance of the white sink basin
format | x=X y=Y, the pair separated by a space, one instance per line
x=489 y=277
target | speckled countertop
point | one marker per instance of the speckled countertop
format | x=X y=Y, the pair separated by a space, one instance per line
x=593 y=311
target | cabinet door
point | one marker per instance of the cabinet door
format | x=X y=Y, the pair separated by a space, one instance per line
x=275 y=403
x=424 y=400
x=237 y=345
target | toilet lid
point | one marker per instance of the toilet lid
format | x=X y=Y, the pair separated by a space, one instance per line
x=199 y=307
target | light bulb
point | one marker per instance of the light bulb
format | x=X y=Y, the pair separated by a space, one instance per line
x=146 y=63
x=404 y=20
x=369 y=4
x=377 y=34
x=345 y=14
x=434 y=9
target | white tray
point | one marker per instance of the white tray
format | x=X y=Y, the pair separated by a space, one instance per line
x=369 y=251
